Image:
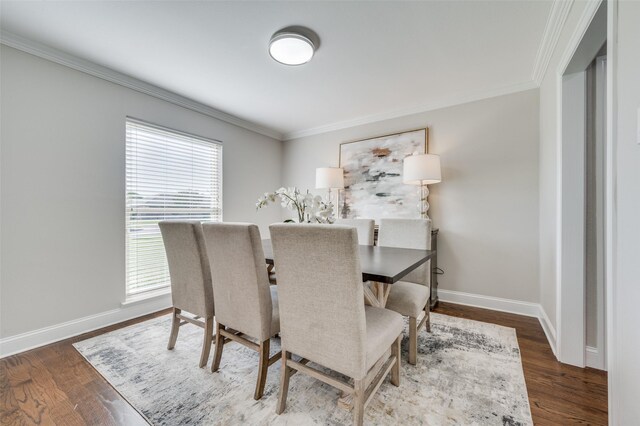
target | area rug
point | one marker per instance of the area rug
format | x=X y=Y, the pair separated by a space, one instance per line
x=468 y=373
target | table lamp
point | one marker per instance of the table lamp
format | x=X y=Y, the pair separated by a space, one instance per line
x=422 y=169
x=330 y=178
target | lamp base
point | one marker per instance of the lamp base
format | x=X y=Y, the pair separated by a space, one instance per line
x=335 y=205
x=424 y=204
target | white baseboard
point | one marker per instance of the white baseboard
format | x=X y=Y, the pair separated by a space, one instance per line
x=33 y=339
x=528 y=309
x=593 y=358
x=549 y=330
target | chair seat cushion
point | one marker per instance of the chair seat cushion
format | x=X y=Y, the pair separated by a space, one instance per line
x=408 y=298
x=383 y=327
x=275 y=316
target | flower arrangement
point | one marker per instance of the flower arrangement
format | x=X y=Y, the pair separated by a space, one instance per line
x=309 y=208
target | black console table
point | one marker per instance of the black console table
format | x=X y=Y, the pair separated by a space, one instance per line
x=434 y=268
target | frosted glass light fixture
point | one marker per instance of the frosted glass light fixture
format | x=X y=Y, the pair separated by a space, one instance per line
x=293 y=46
x=423 y=170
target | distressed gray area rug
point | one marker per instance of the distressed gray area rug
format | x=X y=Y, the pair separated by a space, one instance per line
x=468 y=373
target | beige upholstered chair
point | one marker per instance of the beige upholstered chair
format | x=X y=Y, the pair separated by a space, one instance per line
x=364 y=227
x=246 y=306
x=410 y=297
x=191 y=289
x=323 y=318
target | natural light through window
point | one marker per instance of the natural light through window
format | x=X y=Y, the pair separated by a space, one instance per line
x=170 y=176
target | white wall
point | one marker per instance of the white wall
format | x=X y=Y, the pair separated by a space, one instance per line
x=624 y=366
x=487 y=204
x=63 y=185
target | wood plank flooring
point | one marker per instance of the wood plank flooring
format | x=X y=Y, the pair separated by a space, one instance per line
x=54 y=385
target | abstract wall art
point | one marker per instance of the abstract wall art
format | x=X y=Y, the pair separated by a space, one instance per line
x=373 y=186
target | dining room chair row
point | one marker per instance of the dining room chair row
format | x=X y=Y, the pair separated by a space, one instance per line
x=218 y=269
x=214 y=272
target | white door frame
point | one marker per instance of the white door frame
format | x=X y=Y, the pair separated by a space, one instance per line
x=600 y=362
x=570 y=300
x=610 y=204
x=610 y=186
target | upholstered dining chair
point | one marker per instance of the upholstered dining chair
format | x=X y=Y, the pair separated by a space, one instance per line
x=365 y=229
x=322 y=317
x=191 y=289
x=410 y=297
x=246 y=306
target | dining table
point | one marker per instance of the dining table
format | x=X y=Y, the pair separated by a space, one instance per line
x=382 y=266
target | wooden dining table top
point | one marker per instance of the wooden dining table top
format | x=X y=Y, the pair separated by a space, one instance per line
x=386 y=265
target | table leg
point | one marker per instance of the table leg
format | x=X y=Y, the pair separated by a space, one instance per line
x=382 y=291
x=371 y=297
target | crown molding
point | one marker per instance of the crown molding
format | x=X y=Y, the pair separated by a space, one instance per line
x=555 y=22
x=108 y=74
x=441 y=103
x=590 y=9
x=119 y=78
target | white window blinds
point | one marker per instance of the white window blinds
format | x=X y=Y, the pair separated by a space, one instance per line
x=170 y=176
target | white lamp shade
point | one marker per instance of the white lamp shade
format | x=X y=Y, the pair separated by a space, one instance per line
x=421 y=169
x=329 y=178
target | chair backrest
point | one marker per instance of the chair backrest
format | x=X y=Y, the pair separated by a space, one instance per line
x=364 y=227
x=320 y=294
x=191 y=288
x=408 y=233
x=240 y=280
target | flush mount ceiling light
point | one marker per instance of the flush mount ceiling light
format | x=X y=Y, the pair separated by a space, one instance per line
x=293 y=45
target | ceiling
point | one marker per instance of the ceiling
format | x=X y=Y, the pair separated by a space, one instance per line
x=376 y=59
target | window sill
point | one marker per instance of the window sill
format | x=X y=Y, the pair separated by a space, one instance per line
x=146 y=297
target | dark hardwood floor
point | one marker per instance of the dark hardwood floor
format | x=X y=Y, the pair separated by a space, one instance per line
x=55 y=385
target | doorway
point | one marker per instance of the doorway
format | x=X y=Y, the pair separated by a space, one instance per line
x=582 y=194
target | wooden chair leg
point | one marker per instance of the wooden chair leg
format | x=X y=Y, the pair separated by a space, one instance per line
x=413 y=340
x=427 y=311
x=218 y=350
x=175 y=327
x=285 y=375
x=358 y=402
x=263 y=368
x=206 y=345
x=395 y=370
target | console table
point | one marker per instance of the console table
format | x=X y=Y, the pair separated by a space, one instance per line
x=434 y=268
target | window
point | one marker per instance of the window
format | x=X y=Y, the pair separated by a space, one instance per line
x=170 y=176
